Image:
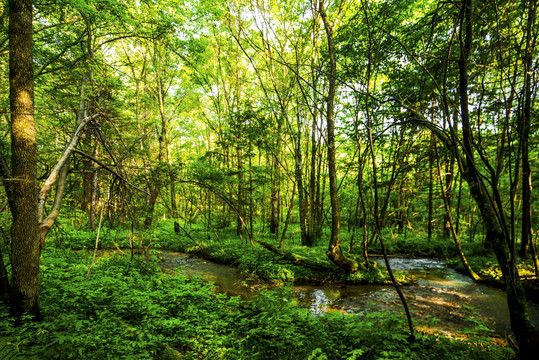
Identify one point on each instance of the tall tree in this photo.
(26, 247)
(497, 234)
(525, 124)
(334, 251)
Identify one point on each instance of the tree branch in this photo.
(70, 147)
(109, 169)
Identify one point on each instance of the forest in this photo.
(355, 177)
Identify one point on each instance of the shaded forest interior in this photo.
(294, 139)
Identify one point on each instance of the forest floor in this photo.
(125, 305)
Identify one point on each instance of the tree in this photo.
(482, 175)
(26, 246)
(491, 212)
(525, 124)
(334, 251)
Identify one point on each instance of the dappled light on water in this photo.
(442, 299)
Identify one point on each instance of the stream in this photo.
(449, 299)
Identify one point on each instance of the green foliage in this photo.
(130, 309)
(416, 243)
(487, 267)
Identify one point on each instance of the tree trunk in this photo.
(164, 145)
(84, 110)
(450, 167)
(334, 251)
(449, 220)
(25, 248)
(151, 199)
(312, 183)
(430, 218)
(525, 334)
(288, 216)
(240, 214)
(4, 279)
(305, 241)
(275, 184)
(251, 196)
(525, 134)
(93, 191)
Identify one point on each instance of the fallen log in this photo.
(296, 259)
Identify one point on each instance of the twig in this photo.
(96, 242)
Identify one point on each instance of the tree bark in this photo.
(25, 248)
(498, 237)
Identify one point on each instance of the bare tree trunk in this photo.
(4, 279)
(240, 214)
(460, 253)
(334, 251)
(312, 183)
(319, 200)
(26, 245)
(288, 216)
(151, 199)
(275, 190)
(496, 235)
(94, 190)
(84, 111)
(459, 200)
(525, 134)
(430, 205)
(299, 182)
(450, 167)
(251, 194)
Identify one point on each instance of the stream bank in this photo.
(442, 300)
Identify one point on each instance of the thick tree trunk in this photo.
(498, 238)
(25, 248)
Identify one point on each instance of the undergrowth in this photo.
(130, 309)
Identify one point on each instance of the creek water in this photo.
(452, 301)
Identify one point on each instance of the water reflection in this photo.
(440, 292)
